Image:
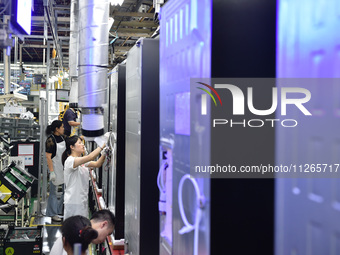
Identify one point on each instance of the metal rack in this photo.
(21, 213)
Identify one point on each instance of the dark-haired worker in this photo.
(102, 221)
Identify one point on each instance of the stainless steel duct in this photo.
(93, 62)
(73, 53)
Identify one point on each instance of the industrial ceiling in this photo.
(132, 20)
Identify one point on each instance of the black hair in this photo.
(77, 229)
(69, 141)
(51, 128)
(104, 215)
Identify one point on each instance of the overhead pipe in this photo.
(73, 53)
(93, 63)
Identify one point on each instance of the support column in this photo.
(7, 67)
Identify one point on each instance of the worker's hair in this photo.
(51, 128)
(69, 141)
(104, 215)
(77, 229)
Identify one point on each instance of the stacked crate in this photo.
(7, 126)
(23, 128)
(36, 132)
(19, 128)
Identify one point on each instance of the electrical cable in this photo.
(160, 181)
(189, 227)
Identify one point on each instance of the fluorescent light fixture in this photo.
(116, 2)
(21, 16)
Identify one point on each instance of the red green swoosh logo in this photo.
(212, 89)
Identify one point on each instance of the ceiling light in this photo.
(116, 2)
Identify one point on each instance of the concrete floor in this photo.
(51, 231)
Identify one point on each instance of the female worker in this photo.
(76, 174)
(77, 229)
(55, 146)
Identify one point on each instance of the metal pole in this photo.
(16, 56)
(7, 64)
(16, 213)
(22, 76)
(7, 67)
(44, 183)
(44, 188)
(23, 210)
(16, 51)
(20, 57)
(43, 119)
(41, 122)
(42, 145)
(48, 65)
(44, 52)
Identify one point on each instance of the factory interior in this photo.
(169, 127)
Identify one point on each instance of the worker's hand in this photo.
(52, 176)
(105, 151)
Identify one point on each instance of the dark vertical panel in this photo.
(141, 230)
(120, 164)
(149, 215)
(244, 38)
(243, 45)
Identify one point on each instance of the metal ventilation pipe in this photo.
(93, 62)
(73, 53)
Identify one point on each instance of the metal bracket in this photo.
(5, 39)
